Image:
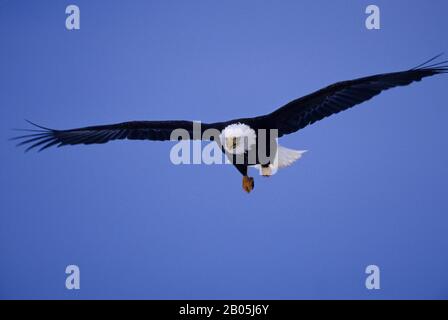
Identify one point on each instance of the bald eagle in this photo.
(239, 137)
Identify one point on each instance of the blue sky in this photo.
(371, 189)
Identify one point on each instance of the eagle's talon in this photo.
(248, 184)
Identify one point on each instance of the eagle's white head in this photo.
(238, 138)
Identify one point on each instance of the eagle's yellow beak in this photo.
(231, 143)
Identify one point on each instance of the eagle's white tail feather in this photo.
(287, 157)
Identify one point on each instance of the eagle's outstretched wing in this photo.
(44, 138)
(340, 96)
(288, 119)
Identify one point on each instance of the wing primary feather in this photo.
(31, 140)
(39, 143)
(28, 130)
(48, 145)
(434, 65)
(429, 61)
(38, 126)
(28, 136)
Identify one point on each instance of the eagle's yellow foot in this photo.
(248, 184)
